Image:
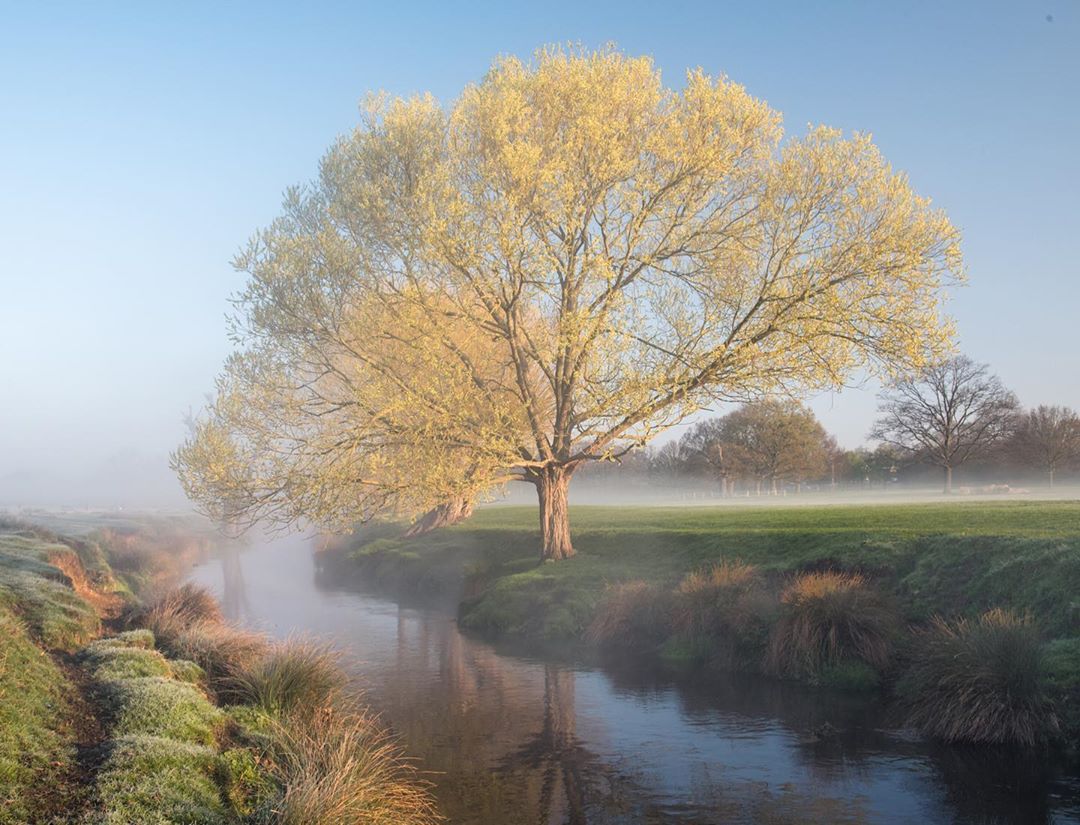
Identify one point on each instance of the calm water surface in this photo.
(509, 739)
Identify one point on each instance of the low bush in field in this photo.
(827, 618)
(295, 676)
(158, 706)
(979, 681)
(153, 780)
(338, 765)
(726, 611)
(631, 615)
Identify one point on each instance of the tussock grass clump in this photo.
(979, 681)
(159, 706)
(725, 612)
(152, 780)
(177, 610)
(338, 765)
(632, 614)
(828, 618)
(221, 650)
(293, 677)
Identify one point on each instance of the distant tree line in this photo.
(954, 414)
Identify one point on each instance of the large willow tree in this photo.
(565, 261)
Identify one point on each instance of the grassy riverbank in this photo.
(941, 558)
(953, 560)
(124, 701)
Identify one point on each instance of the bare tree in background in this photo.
(947, 414)
(1049, 438)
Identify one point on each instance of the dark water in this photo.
(511, 739)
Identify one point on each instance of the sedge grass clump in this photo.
(724, 611)
(828, 618)
(294, 676)
(979, 681)
(220, 649)
(338, 765)
(631, 614)
(178, 610)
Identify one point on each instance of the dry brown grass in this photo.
(338, 765)
(726, 610)
(176, 611)
(724, 574)
(220, 649)
(153, 558)
(830, 617)
(979, 681)
(633, 614)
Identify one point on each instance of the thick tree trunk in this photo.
(948, 480)
(552, 486)
(451, 512)
(1051, 478)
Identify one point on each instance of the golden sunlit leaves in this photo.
(568, 259)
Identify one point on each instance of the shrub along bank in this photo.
(847, 596)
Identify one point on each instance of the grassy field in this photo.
(951, 558)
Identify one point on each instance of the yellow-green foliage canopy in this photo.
(564, 261)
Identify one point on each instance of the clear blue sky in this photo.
(141, 144)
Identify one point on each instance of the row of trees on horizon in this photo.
(954, 416)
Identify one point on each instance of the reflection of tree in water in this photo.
(554, 756)
(565, 783)
(234, 601)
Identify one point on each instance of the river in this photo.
(510, 739)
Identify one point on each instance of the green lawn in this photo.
(952, 557)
